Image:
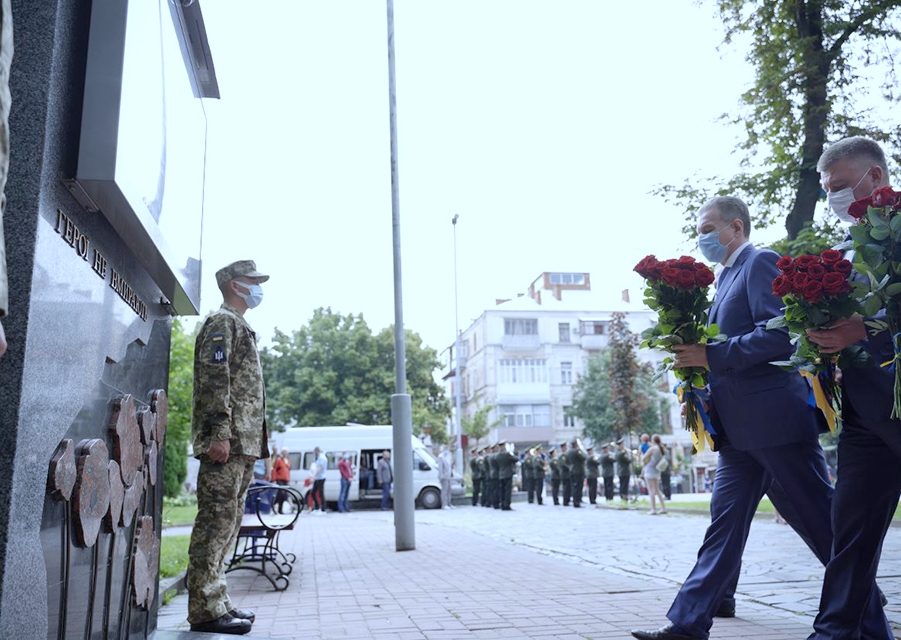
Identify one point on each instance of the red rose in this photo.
(647, 267)
(885, 197)
(816, 271)
(804, 262)
(786, 263)
(858, 209)
(830, 256)
(799, 281)
(813, 291)
(704, 277)
(685, 260)
(782, 286)
(670, 275)
(835, 283)
(686, 279)
(843, 267)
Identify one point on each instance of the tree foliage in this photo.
(478, 425)
(811, 60)
(180, 393)
(617, 395)
(334, 370)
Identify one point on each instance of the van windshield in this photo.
(427, 457)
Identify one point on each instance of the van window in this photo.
(419, 459)
(294, 460)
(331, 458)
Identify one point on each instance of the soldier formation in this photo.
(567, 467)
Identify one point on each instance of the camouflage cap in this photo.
(238, 269)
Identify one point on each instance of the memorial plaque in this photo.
(145, 563)
(116, 497)
(63, 471)
(91, 497)
(126, 437)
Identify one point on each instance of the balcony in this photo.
(525, 435)
(593, 342)
(522, 343)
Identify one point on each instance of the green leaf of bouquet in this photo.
(712, 331)
(860, 235)
(777, 323)
(876, 326)
(895, 224)
(880, 234)
(871, 305)
(877, 218)
(893, 289)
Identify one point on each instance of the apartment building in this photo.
(523, 356)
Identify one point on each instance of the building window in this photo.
(567, 278)
(564, 331)
(568, 420)
(474, 344)
(525, 415)
(566, 373)
(591, 328)
(522, 371)
(521, 327)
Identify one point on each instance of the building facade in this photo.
(523, 357)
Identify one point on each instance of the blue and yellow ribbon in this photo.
(820, 399)
(697, 420)
(896, 344)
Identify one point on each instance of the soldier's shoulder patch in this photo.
(218, 356)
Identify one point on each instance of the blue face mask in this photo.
(254, 296)
(710, 245)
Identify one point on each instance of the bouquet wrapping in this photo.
(677, 290)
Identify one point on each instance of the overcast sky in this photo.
(543, 125)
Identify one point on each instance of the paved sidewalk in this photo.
(480, 573)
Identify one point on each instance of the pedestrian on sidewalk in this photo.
(385, 477)
(652, 459)
(317, 473)
(347, 475)
(281, 475)
(444, 475)
(228, 425)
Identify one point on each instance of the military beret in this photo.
(247, 268)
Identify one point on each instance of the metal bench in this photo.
(256, 547)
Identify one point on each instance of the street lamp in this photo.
(458, 387)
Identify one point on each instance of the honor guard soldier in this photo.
(623, 468)
(592, 473)
(538, 475)
(565, 475)
(607, 471)
(493, 486)
(483, 467)
(528, 475)
(576, 458)
(506, 467)
(554, 467)
(476, 470)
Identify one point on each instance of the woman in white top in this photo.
(651, 458)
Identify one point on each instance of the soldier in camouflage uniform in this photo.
(506, 467)
(494, 494)
(528, 476)
(623, 460)
(576, 459)
(555, 475)
(229, 430)
(566, 478)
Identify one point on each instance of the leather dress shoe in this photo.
(668, 632)
(243, 615)
(725, 610)
(227, 624)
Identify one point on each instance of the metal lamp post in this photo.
(458, 386)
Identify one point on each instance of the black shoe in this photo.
(664, 633)
(227, 624)
(243, 615)
(725, 610)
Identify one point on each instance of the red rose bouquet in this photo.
(876, 240)
(816, 292)
(677, 291)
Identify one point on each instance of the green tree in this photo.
(478, 425)
(333, 370)
(811, 60)
(180, 393)
(626, 399)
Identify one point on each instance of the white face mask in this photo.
(840, 201)
(254, 296)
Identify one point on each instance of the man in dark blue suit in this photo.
(869, 447)
(765, 428)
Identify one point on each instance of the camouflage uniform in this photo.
(607, 473)
(228, 405)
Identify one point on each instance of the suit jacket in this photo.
(757, 404)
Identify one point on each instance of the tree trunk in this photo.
(815, 69)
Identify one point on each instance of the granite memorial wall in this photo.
(102, 226)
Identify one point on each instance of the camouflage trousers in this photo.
(221, 489)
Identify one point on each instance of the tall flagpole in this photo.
(401, 408)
